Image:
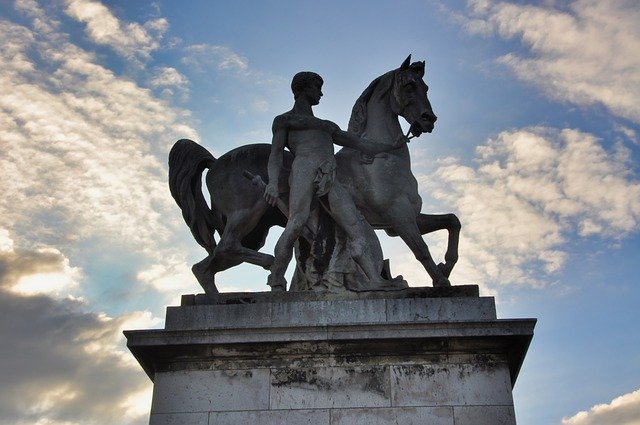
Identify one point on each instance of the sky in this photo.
(536, 149)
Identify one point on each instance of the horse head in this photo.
(409, 97)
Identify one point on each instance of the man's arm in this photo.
(369, 147)
(307, 122)
(271, 192)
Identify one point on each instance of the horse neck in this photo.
(382, 123)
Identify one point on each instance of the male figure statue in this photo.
(313, 174)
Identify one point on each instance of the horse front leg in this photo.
(428, 223)
(407, 228)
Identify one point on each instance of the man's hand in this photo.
(271, 194)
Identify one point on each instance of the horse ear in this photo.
(406, 63)
(418, 68)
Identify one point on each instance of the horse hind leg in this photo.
(205, 276)
(230, 252)
(428, 223)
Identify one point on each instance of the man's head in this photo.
(306, 80)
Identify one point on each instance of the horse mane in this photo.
(358, 119)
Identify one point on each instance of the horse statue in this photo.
(382, 186)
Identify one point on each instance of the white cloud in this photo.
(6, 243)
(585, 54)
(83, 155)
(171, 81)
(172, 275)
(624, 410)
(55, 283)
(41, 22)
(629, 133)
(531, 188)
(129, 39)
(205, 56)
(83, 151)
(137, 404)
(167, 76)
(45, 270)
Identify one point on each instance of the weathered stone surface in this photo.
(271, 417)
(484, 415)
(440, 309)
(179, 419)
(330, 387)
(416, 342)
(451, 384)
(231, 316)
(388, 416)
(329, 312)
(389, 365)
(318, 312)
(204, 391)
(227, 298)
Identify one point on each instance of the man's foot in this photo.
(277, 284)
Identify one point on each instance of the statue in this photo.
(313, 175)
(376, 179)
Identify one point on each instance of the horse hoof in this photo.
(277, 285)
(441, 283)
(205, 277)
(268, 262)
(445, 269)
(399, 282)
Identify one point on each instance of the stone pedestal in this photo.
(433, 356)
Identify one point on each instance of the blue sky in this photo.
(536, 149)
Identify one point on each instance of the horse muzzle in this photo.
(424, 125)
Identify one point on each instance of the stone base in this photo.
(419, 356)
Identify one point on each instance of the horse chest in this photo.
(387, 178)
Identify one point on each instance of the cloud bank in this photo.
(83, 149)
(586, 53)
(83, 159)
(131, 40)
(62, 364)
(530, 190)
(623, 410)
(42, 271)
(204, 57)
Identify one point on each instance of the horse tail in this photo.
(187, 162)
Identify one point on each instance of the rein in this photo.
(407, 135)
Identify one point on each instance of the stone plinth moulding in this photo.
(421, 355)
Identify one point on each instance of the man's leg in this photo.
(300, 197)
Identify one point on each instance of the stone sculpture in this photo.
(313, 177)
(373, 180)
